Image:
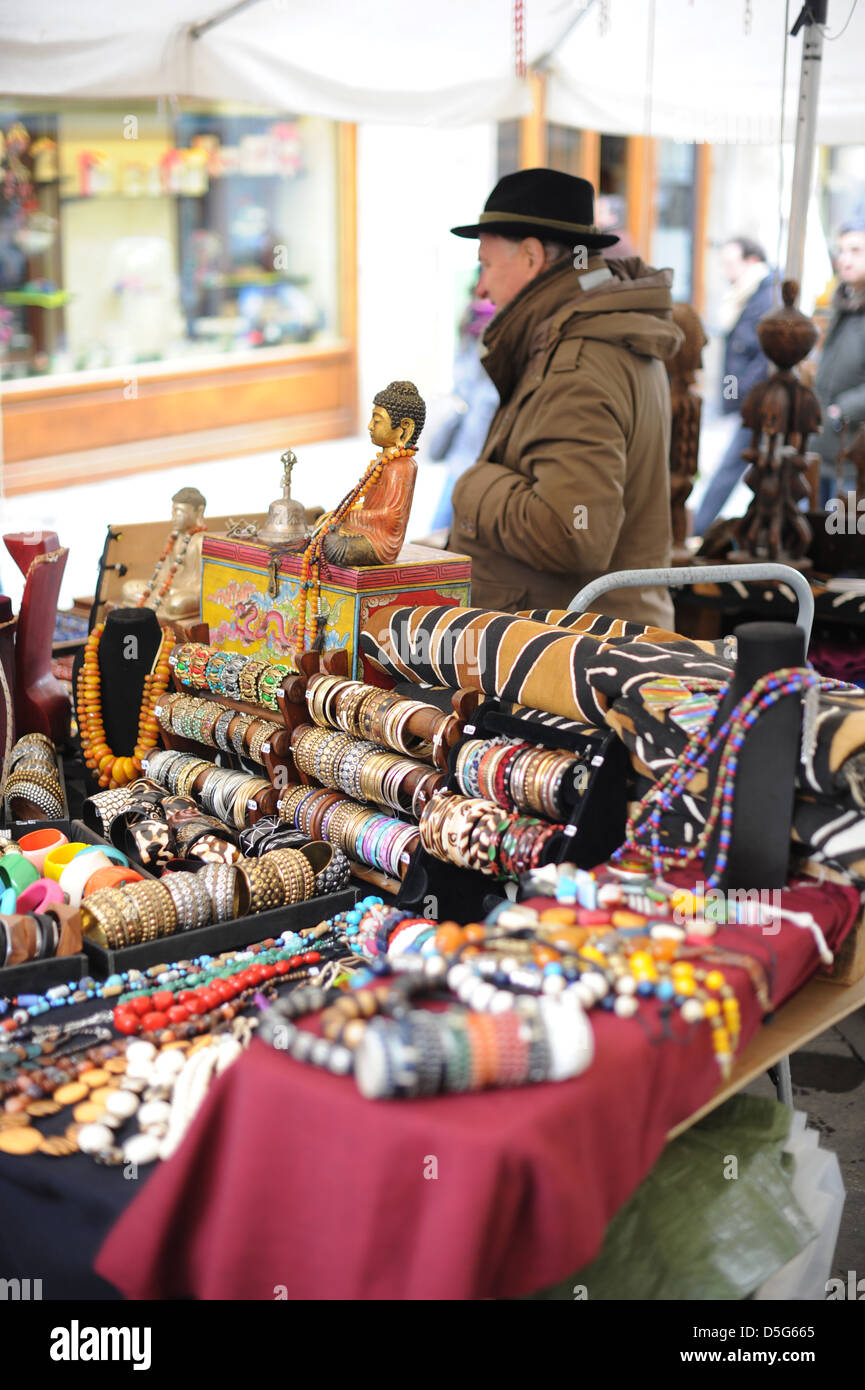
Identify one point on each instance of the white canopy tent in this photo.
(684, 69)
(688, 70)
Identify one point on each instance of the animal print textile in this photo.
(656, 689)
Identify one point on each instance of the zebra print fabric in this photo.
(656, 693)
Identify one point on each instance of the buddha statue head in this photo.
(187, 508)
(398, 416)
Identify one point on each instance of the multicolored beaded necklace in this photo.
(661, 798)
(310, 573)
(291, 947)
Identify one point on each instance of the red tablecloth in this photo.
(291, 1185)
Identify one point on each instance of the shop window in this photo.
(614, 165)
(673, 222)
(564, 146)
(507, 148)
(149, 233)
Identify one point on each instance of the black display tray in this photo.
(447, 893)
(219, 936)
(73, 829)
(35, 976)
(597, 810)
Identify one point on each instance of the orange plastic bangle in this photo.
(111, 878)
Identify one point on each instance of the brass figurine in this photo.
(174, 588)
(369, 525)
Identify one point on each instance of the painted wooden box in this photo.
(249, 596)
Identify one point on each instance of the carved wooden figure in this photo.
(781, 413)
(686, 411)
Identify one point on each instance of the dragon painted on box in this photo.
(255, 621)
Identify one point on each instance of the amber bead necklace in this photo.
(111, 770)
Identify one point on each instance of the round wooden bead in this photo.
(141, 1148)
(139, 1053)
(155, 1112)
(122, 1103)
(92, 1138)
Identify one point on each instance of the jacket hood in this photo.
(633, 309)
(626, 303)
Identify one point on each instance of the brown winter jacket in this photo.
(573, 480)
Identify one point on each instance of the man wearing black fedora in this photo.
(573, 480)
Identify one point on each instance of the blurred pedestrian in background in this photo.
(460, 438)
(748, 298)
(840, 380)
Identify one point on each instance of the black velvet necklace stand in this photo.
(759, 851)
(127, 651)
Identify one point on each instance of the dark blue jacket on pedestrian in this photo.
(841, 375)
(744, 359)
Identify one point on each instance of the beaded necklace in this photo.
(173, 568)
(645, 822)
(611, 968)
(114, 771)
(40, 1074)
(310, 571)
(132, 985)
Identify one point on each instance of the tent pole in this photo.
(196, 30)
(813, 19)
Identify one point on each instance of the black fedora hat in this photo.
(545, 204)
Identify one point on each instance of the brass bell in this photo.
(286, 520)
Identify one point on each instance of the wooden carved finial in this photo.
(786, 335)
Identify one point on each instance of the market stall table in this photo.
(290, 1184)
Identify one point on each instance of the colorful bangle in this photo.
(213, 672)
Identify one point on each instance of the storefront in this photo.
(656, 192)
(175, 279)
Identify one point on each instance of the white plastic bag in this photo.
(819, 1189)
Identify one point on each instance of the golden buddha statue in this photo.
(369, 525)
(174, 588)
